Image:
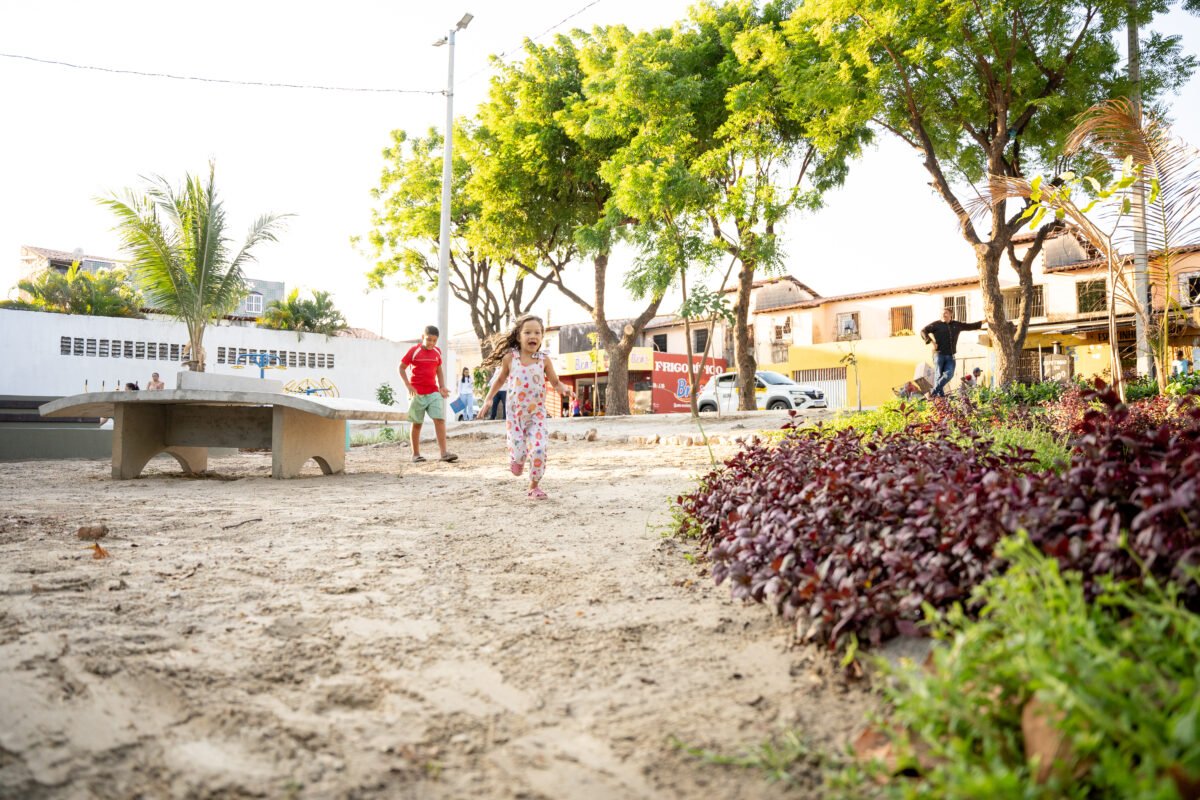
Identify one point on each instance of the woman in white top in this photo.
(466, 392)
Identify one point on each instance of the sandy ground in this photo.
(412, 631)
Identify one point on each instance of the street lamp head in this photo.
(440, 42)
(465, 21)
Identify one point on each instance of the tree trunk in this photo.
(743, 342)
(195, 362)
(616, 395)
(1000, 329)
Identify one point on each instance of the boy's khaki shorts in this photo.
(426, 404)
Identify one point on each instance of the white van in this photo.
(772, 391)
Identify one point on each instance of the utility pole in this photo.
(443, 294)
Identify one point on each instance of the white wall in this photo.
(33, 363)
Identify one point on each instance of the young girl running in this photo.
(524, 372)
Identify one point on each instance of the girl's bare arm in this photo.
(554, 381)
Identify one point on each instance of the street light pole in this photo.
(443, 295)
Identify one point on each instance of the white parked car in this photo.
(772, 390)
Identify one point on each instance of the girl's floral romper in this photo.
(526, 414)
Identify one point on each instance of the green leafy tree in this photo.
(717, 156)
(104, 293)
(545, 203)
(976, 89)
(181, 255)
(316, 315)
(1139, 158)
(407, 227)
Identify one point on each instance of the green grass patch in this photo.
(398, 434)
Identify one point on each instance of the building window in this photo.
(957, 303)
(847, 326)
(902, 321)
(700, 340)
(783, 333)
(254, 303)
(103, 352)
(1091, 296)
(659, 342)
(1191, 289)
(1012, 303)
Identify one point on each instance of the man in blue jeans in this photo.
(945, 340)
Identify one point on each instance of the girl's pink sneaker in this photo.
(516, 468)
(536, 493)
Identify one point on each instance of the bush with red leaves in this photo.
(853, 534)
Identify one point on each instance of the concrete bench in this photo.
(186, 422)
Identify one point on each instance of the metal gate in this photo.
(831, 381)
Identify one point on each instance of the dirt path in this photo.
(419, 631)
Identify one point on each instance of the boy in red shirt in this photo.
(427, 391)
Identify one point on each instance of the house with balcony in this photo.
(825, 340)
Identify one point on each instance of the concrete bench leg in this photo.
(297, 436)
(139, 434)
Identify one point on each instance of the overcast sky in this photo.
(70, 135)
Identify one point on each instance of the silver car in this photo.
(772, 391)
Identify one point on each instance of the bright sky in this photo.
(71, 135)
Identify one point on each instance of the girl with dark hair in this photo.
(524, 372)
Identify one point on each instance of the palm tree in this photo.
(181, 255)
(104, 293)
(318, 315)
(1141, 148)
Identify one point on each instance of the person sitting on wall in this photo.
(155, 382)
(944, 334)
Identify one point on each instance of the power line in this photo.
(264, 84)
(556, 25)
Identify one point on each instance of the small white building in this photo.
(53, 355)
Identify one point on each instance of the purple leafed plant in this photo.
(851, 533)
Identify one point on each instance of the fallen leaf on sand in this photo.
(876, 744)
(98, 551)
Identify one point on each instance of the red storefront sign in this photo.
(671, 390)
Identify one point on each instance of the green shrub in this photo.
(1184, 384)
(891, 417)
(1049, 451)
(1140, 389)
(385, 394)
(1119, 678)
